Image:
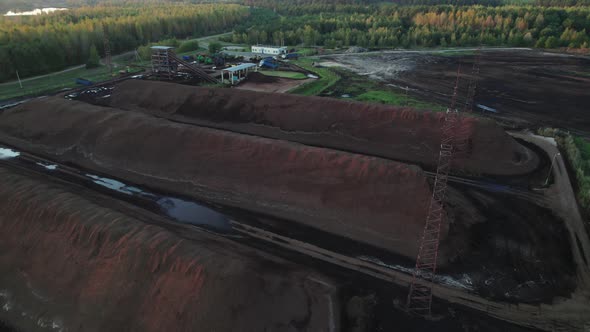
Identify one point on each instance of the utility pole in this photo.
(107, 47)
(19, 82)
(407, 88)
(551, 167)
(137, 57)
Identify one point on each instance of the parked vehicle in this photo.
(291, 56)
(83, 81)
(268, 63)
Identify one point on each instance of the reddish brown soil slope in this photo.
(367, 199)
(395, 133)
(69, 263)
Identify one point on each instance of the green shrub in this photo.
(214, 47)
(93, 58)
(188, 46)
(577, 152)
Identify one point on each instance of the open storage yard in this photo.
(311, 207)
(294, 166)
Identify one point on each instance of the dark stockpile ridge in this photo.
(367, 199)
(74, 264)
(395, 133)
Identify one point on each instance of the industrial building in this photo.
(237, 73)
(274, 50)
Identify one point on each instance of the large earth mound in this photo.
(396, 133)
(71, 262)
(367, 199)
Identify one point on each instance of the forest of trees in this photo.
(25, 5)
(40, 44)
(277, 5)
(387, 25)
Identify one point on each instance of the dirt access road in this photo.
(520, 87)
(564, 202)
(263, 83)
(203, 42)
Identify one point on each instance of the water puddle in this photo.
(191, 213)
(51, 167)
(183, 211)
(114, 185)
(180, 210)
(486, 108)
(8, 153)
(462, 282)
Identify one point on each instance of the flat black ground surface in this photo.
(524, 88)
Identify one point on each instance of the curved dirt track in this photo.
(73, 264)
(367, 199)
(396, 133)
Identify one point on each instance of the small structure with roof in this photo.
(272, 50)
(163, 61)
(237, 73)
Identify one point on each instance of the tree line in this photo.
(278, 4)
(40, 44)
(26, 5)
(390, 25)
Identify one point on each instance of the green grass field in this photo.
(335, 82)
(52, 83)
(361, 88)
(391, 97)
(326, 80)
(285, 74)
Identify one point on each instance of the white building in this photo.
(274, 50)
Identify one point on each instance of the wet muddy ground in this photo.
(498, 221)
(524, 246)
(517, 250)
(521, 88)
(367, 304)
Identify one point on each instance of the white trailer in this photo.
(272, 50)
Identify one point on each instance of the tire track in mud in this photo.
(490, 186)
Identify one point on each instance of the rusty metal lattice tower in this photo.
(420, 294)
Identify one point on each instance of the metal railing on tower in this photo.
(420, 295)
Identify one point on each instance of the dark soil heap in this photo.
(367, 199)
(70, 262)
(395, 133)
